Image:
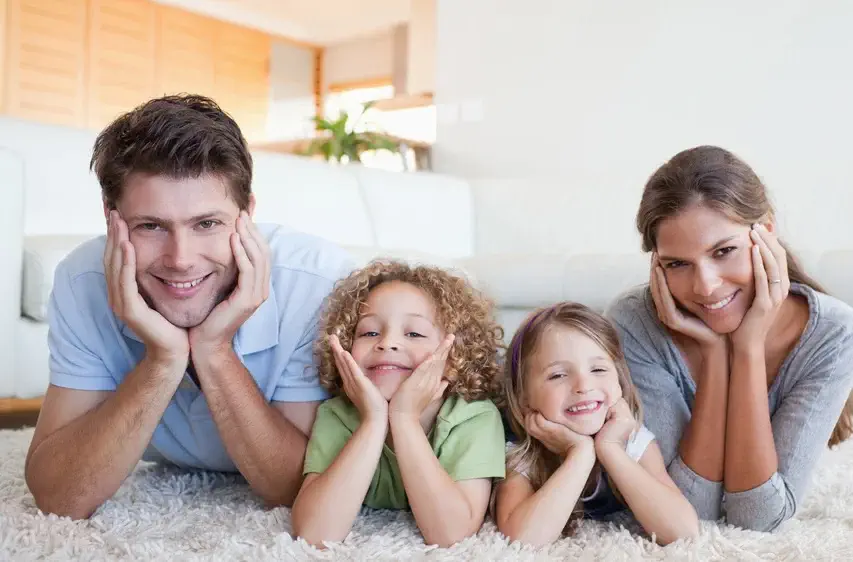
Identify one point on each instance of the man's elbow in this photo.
(272, 502)
(273, 498)
(49, 499)
(63, 506)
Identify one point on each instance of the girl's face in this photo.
(571, 380)
(396, 331)
(708, 265)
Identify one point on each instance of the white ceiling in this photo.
(322, 22)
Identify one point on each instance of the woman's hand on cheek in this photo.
(674, 318)
(618, 425)
(425, 384)
(770, 274)
(556, 437)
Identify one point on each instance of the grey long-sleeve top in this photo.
(806, 399)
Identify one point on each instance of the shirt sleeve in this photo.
(299, 381)
(802, 425)
(329, 435)
(475, 448)
(73, 361)
(666, 414)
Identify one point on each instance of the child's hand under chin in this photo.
(556, 437)
(424, 385)
(359, 389)
(618, 425)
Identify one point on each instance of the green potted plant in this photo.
(340, 142)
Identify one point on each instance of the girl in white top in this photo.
(582, 450)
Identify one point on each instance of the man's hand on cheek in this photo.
(251, 255)
(163, 341)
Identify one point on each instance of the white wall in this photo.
(363, 58)
(291, 104)
(559, 111)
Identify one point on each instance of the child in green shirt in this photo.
(411, 353)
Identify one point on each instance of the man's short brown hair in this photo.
(180, 137)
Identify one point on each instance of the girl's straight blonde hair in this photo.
(529, 456)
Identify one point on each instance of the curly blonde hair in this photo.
(472, 366)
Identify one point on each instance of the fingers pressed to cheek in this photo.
(249, 242)
(767, 256)
(244, 265)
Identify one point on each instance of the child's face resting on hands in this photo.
(571, 380)
(397, 330)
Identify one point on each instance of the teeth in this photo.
(720, 304)
(184, 285)
(387, 368)
(584, 407)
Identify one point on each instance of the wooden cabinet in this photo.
(241, 77)
(46, 60)
(185, 52)
(83, 62)
(121, 59)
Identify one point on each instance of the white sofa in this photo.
(51, 203)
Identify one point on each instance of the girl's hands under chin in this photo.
(618, 425)
(556, 437)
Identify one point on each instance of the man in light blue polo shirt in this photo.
(185, 334)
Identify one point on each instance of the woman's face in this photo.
(708, 265)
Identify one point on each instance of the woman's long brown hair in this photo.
(716, 178)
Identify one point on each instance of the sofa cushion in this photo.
(312, 197)
(41, 256)
(424, 210)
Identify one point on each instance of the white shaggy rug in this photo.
(162, 513)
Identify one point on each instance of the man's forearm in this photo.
(78, 467)
(703, 444)
(267, 449)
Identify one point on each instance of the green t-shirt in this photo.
(467, 438)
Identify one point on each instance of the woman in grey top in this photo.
(742, 362)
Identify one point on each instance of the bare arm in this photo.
(445, 511)
(703, 444)
(87, 442)
(267, 442)
(539, 517)
(750, 451)
(654, 499)
(329, 502)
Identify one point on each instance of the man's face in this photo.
(180, 231)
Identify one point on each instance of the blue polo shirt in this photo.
(90, 349)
